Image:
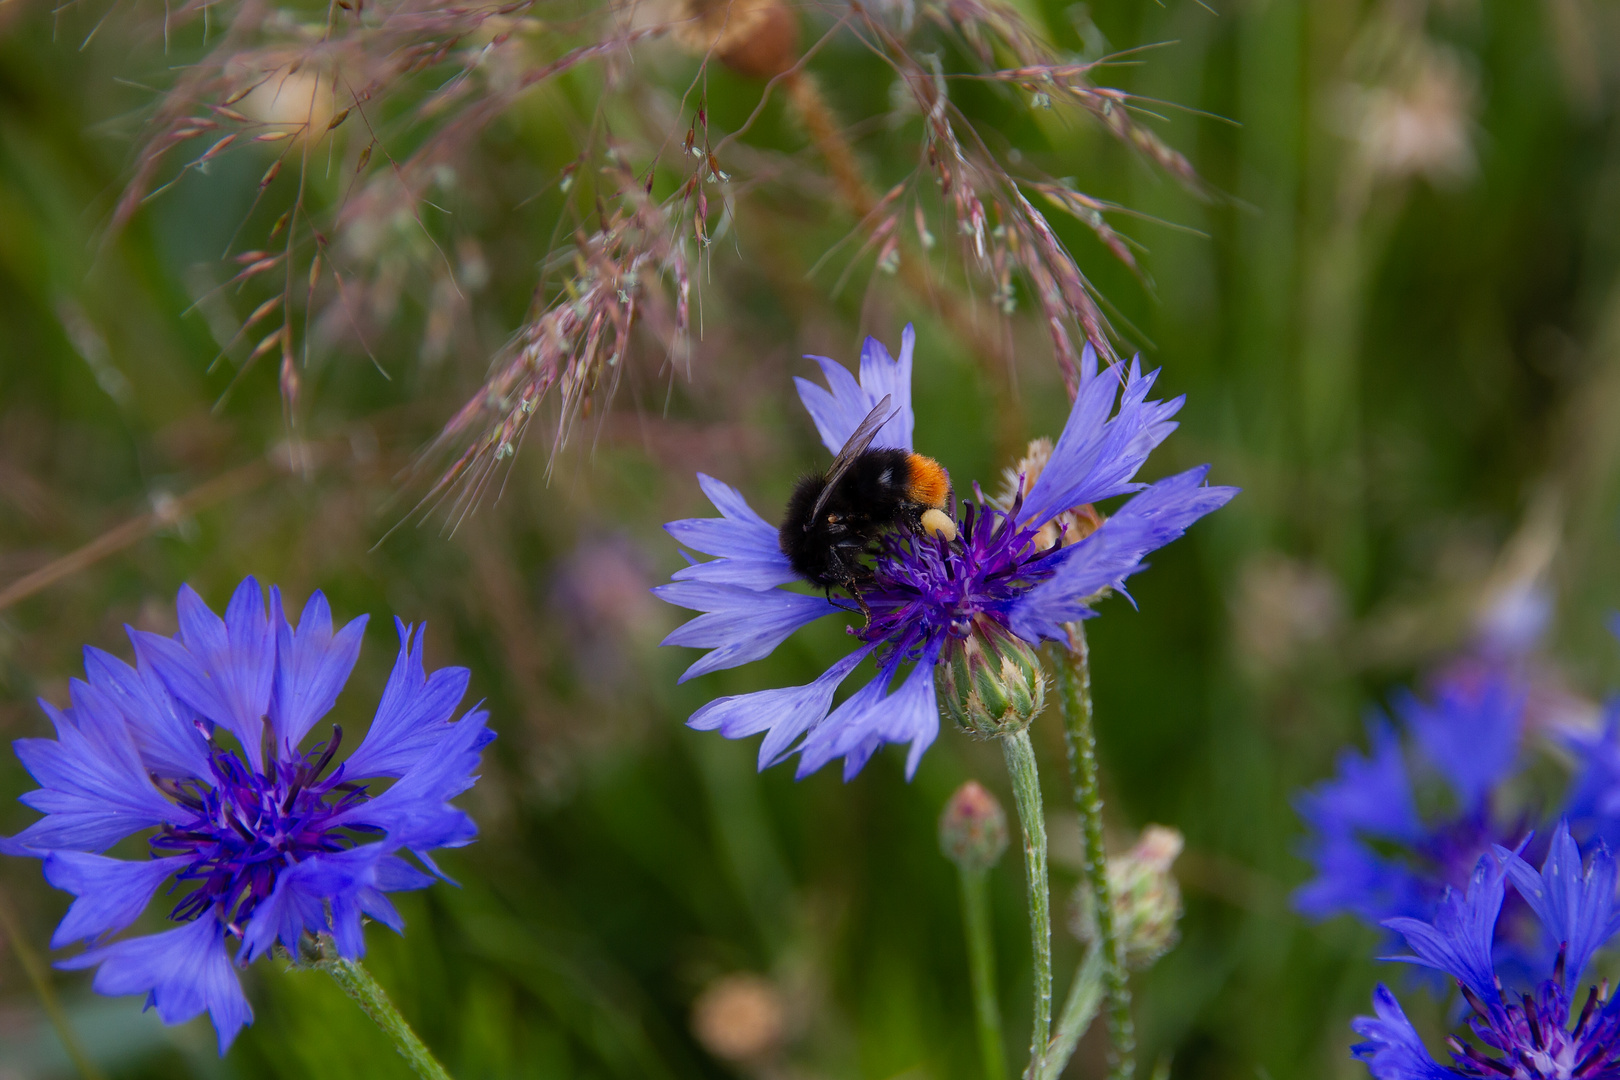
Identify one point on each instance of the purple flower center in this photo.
(1534, 1038)
(247, 827)
(928, 590)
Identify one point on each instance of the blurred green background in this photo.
(1397, 325)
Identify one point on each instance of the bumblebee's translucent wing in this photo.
(854, 447)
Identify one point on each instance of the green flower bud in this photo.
(992, 683)
(973, 828)
(1147, 900)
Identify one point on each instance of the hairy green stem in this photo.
(1074, 684)
(39, 977)
(1026, 783)
(982, 969)
(1085, 996)
(374, 1002)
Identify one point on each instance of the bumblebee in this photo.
(833, 517)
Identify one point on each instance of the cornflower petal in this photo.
(222, 668)
(883, 376)
(856, 715)
(756, 574)
(1471, 732)
(1394, 1050)
(1595, 794)
(416, 811)
(873, 717)
(295, 905)
(783, 714)
(747, 546)
(181, 675)
(93, 789)
(96, 718)
(110, 893)
(838, 410)
(236, 657)
(165, 731)
(1459, 940)
(739, 624)
(1370, 794)
(1350, 876)
(312, 664)
(348, 884)
(1097, 455)
(1576, 908)
(1104, 559)
(414, 713)
(370, 878)
(183, 972)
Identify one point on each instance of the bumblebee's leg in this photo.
(827, 592)
(855, 592)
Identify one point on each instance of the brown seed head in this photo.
(756, 38)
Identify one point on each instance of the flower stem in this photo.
(1026, 783)
(1084, 998)
(1074, 684)
(982, 968)
(375, 1003)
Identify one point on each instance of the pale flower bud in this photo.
(1147, 900)
(740, 1018)
(973, 828)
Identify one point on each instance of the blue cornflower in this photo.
(927, 595)
(1594, 795)
(1593, 804)
(259, 839)
(1375, 855)
(1524, 1035)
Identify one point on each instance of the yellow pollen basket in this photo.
(938, 523)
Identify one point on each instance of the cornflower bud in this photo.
(1147, 900)
(991, 683)
(973, 828)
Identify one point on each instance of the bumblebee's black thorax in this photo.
(868, 498)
